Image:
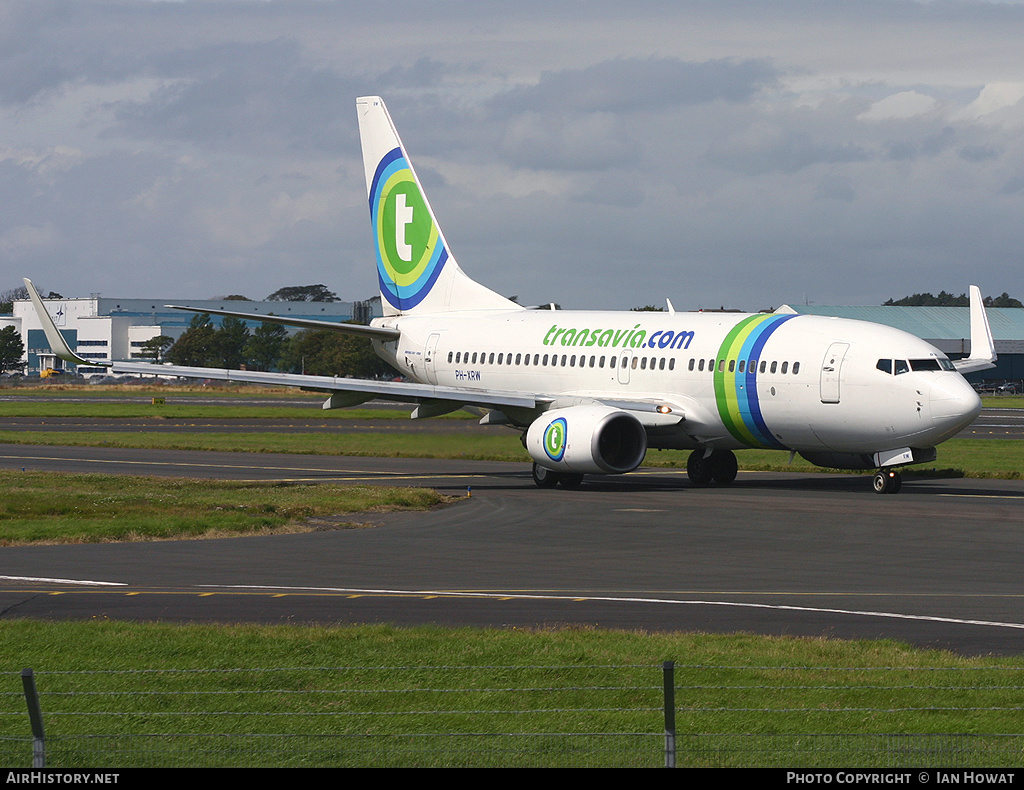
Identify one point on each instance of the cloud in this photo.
(624, 85)
(902, 105)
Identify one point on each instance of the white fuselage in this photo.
(798, 382)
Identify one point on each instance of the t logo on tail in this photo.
(403, 218)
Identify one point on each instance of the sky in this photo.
(597, 154)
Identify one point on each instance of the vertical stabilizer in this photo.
(415, 269)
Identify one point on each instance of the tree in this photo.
(229, 343)
(7, 298)
(155, 347)
(1003, 300)
(11, 348)
(303, 293)
(266, 346)
(321, 352)
(949, 300)
(196, 344)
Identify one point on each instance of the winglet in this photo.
(983, 348)
(58, 344)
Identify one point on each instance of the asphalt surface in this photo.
(936, 565)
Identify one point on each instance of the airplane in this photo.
(592, 391)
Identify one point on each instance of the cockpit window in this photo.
(884, 365)
(931, 364)
(901, 366)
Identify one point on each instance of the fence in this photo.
(572, 716)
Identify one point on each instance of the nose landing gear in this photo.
(887, 481)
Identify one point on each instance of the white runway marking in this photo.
(675, 601)
(61, 581)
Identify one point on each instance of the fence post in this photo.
(669, 682)
(35, 717)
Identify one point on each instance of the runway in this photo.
(812, 554)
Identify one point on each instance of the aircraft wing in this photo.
(378, 332)
(53, 336)
(403, 391)
(983, 348)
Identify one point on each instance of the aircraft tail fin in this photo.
(415, 269)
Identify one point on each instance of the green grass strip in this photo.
(986, 458)
(40, 507)
(127, 679)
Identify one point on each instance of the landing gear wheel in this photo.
(887, 482)
(544, 477)
(723, 466)
(569, 480)
(698, 468)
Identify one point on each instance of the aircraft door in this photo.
(831, 372)
(624, 361)
(429, 355)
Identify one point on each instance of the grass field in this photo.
(957, 457)
(59, 508)
(380, 683)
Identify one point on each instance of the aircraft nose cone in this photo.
(954, 402)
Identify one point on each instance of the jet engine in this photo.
(591, 439)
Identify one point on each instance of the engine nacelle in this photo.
(587, 439)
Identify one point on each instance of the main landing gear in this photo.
(887, 481)
(720, 466)
(545, 478)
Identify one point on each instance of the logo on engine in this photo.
(554, 439)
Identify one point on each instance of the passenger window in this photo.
(785, 365)
(774, 366)
(661, 364)
(763, 365)
(743, 365)
(796, 368)
(672, 363)
(732, 365)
